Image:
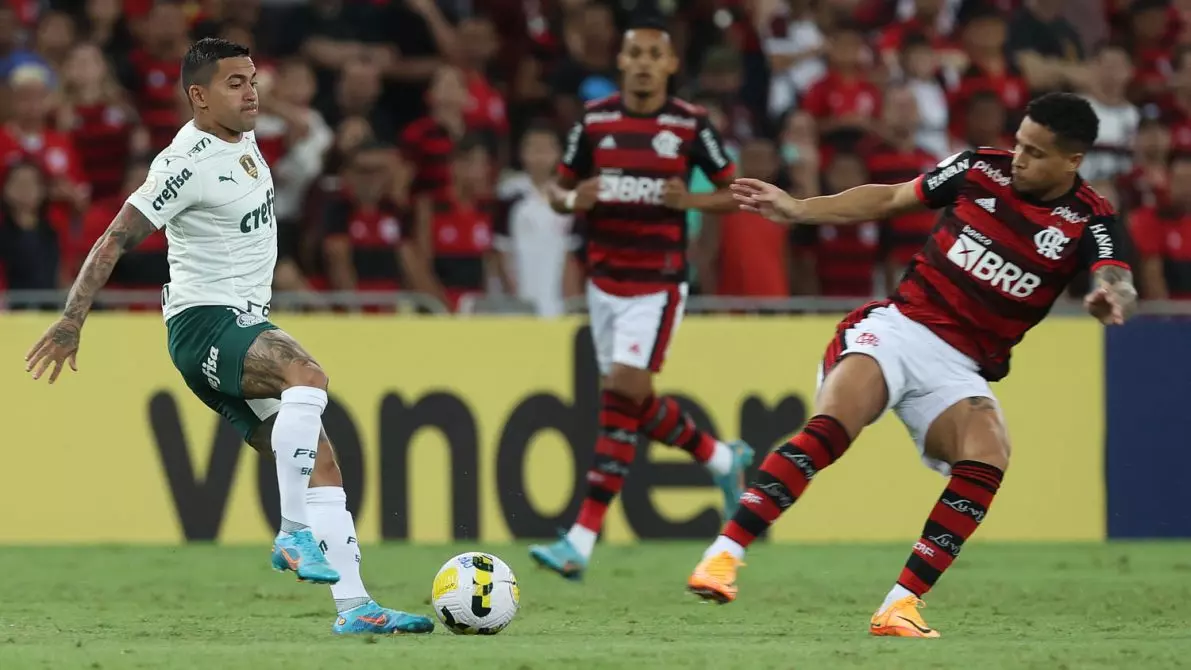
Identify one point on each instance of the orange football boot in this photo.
(715, 578)
(901, 619)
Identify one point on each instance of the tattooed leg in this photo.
(277, 366)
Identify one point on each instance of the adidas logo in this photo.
(607, 143)
(989, 204)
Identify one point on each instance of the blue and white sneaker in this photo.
(299, 552)
(372, 619)
(561, 557)
(732, 484)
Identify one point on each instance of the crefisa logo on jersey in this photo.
(172, 186)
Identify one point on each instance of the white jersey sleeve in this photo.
(171, 188)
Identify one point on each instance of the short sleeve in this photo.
(1103, 243)
(940, 187)
(576, 156)
(171, 187)
(709, 154)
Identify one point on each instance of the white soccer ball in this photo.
(475, 594)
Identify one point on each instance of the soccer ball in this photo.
(475, 594)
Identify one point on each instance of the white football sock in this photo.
(295, 443)
(722, 544)
(336, 532)
(583, 540)
(895, 594)
(721, 459)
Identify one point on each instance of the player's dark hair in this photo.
(202, 59)
(1070, 117)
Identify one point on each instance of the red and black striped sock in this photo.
(784, 475)
(960, 510)
(620, 421)
(665, 422)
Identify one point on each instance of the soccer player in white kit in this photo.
(212, 192)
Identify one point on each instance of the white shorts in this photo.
(924, 375)
(635, 331)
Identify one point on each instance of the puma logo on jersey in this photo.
(262, 215)
(991, 268)
(172, 186)
(229, 177)
(631, 190)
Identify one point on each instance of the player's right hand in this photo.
(765, 199)
(59, 344)
(586, 194)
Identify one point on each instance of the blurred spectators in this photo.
(411, 140)
(1163, 238)
(535, 244)
(29, 244)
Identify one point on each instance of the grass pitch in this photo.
(1000, 606)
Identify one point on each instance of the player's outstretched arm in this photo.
(870, 202)
(61, 342)
(1114, 298)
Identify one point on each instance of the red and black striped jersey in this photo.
(636, 244)
(998, 260)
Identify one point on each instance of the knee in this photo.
(632, 383)
(989, 444)
(306, 373)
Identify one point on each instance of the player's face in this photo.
(1039, 165)
(647, 60)
(231, 96)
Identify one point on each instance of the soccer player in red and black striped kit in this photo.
(1016, 228)
(626, 165)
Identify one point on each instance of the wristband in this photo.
(569, 202)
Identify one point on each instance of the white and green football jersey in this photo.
(215, 201)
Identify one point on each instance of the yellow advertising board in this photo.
(482, 428)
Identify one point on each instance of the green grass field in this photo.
(1001, 606)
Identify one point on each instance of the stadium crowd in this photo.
(411, 140)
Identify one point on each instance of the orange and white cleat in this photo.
(715, 578)
(901, 619)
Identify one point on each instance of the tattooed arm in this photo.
(1113, 298)
(61, 342)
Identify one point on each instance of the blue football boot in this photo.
(372, 619)
(299, 552)
(732, 484)
(561, 557)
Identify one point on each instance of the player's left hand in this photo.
(675, 194)
(1106, 305)
(59, 344)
